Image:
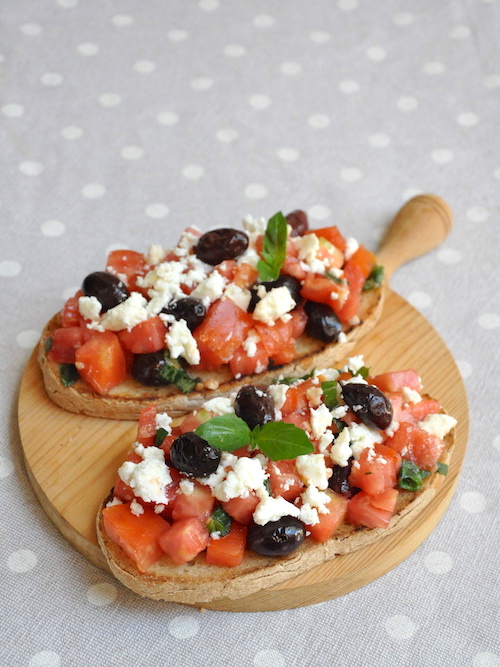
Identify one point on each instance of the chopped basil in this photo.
(219, 522)
(292, 380)
(329, 389)
(267, 486)
(48, 344)
(364, 371)
(173, 373)
(442, 468)
(374, 279)
(333, 277)
(273, 248)
(411, 476)
(69, 374)
(339, 424)
(160, 436)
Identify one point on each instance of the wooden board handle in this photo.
(421, 225)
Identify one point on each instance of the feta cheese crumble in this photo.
(410, 395)
(313, 470)
(148, 478)
(321, 419)
(186, 487)
(246, 475)
(362, 437)
(341, 451)
(439, 425)
(275, 303)
(221, 405)
(164, 420)
(181, 343)
(127, 314)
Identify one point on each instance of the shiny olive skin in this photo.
(254, 405)
(193, 455)
(219, 244)
(107, 289)
(146, 368)
(276, 538)
(339, 481)
(298, 222)
(189, 309)
(322, 323)
(368, 403)
(291, 283)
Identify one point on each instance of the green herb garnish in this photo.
(225, 432)
(273, 248)
(160, 436)
(69, 374)
(292, 380)
(411, 476)
(267, 486)
(331, 276)
(330, 393)
(48, 344)
(364, 371)
(219, 522)
(173, 373)
(442, 468)
(374, 279)
(339, 424)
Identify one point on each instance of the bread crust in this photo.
(198, 582)
(127, 399)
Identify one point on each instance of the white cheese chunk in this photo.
(325, 441)
(210, 289)
(342, 338)
(254, 225)
(127, 314)
(410, 395)
(163, 284)
(238, 295)
(188, 239)
(156, 254)
(181, 343)
(307, 247)
(221, 405)
(136, 508)
(278, 392)
(246, 475)
(113, 502)
(351, 246)
(149, 477)
(186, 487)
(439, 425)
(313, 470)
(275, 303)
(392, 428)
(89, 307)
(341, 450)
(164, 420)
(354, 364)
(309, 515)
(327, 373)
(272, 509)
(321, 419)
(340, 411)
(315, 498)
(362, 437)
(250, 343)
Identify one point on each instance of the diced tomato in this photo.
(70, 314)
(355, 279)
(167, 443)
(365, 260)
(427, 406)
(228, 551)
(171, 492)
(145, 337)
(146, 430)
(372, 511)
(222, 331)
(138, 536)
(320, 289)
(275, 338)
(331, 234)
(227, 269)
(292, 266)
(328, 523)
(296, 398)
(65, 342)
(242, 509)
(128, 265)
(298, 321)
(376, 472)
(193, 420)
(332, 257)
(400, 413)
(284, 479)
(101, 362)
(396, 380)
(350, 418)
(122, 490)
(417, 446)
(185, 540)
(199, 503)
(245, 275)
(300, 419)
(241, 364)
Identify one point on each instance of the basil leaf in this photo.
(330, 393)
(410, 476)
(273, 248)
(292, 380)
(226, 432)
(364, 371)
(442, 468)
(173, 373)
(160, 436)
(69, 374)
(279, 440)
(219, 522)
(374, 279)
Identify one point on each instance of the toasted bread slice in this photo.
(127, 399)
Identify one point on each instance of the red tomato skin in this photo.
(362, 512)
(65, 342)
(241, 364)
(296, 399)
(70, 314)
(146, 429)
(395, 381)
(349, 309)
(145, 337)
(185, 540)
(245, 275)
(376, 474)
(228, 551)
(284, 479)
(417, 446)
(200, 504)
(298, 321)
(242, 509)
(365, 260)
(322, 290)
(292, 266)
(331, 234)
(128, 265)
(328, 523)
(428, 406)
(101, 362)
(222, 331)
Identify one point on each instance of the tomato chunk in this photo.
(396, 380)
(417, 446)
(146, 430)
(199, 503)
(355, 279)
(365, 260)
(65, 342)
(228, 551)
(331, 234)
(185, 540)
(137, 535)
(376, 471)
(242, 509)
(127, 265)
(372, 511)
(145, 337)
(241, 364)
(222, 331)
(101, 362)
(284, 479)
(328, 523)
(70, 314)
(323, 290)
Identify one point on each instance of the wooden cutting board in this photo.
(72, 459)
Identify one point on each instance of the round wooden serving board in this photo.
(72, 462)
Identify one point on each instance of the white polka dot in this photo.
(496, 445)
(492, 81)
(177, 35)
(45, 659)
(193, 172)
(22, 561)
(433, 68)
(269, 658)
(109, 99)
(29, 168)
(234, 50)
(12, 110)
(319, 212)
(400, 627)
(290, 68)
(100, 595)
(403, 18)
(93, 191)
(351, 174)
(259, 101)
(472, 502)
(183, 627)
(478, 213)
(263, 21)
(420, 299)
(489, 321)
(122, 20)
(467, 119)
(27, 339)
(201, 83)
(256, 191)
(51, 79)
(167, 118)
(2, 57)
(53, 228)
(31, 29)
(486, 658)
(442, 155)
(157, 211)
(132, 152)
(438, 562)
(6, 467)
(496, 173)
(379, 140)
(376, 53)
(320, 36)
(349, 86)
(449, 255)
(409, 193)
(87, 49)
(465, 368)
(208, 5)
(460, 32)
(9, 268)
(144, 66)
(318, 121)
(71, 132)
(67, 4)
(407, 103)
(226, 135)
(69, 292)
(347, 5)
(288, 154)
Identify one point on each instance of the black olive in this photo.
(189, 309)
(368, 403)
(322, 323)
(254, 405)
(298, 221)
(276, 538)
(220, 244)
(107, 289)
(193, 455)
(339, 481)
(146, 368)
(291, 283)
